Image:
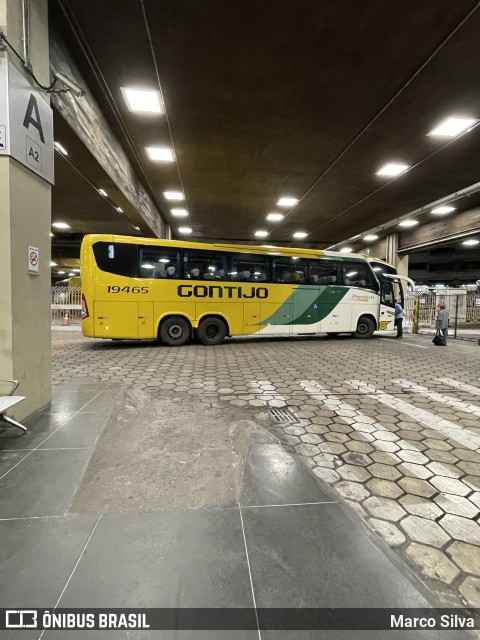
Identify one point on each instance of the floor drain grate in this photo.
(283, 416)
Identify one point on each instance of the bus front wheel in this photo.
(174, 331)
(211, 331)
(365, 328)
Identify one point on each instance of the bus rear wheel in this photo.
(211, 331)
(365, 328)
(174, 331)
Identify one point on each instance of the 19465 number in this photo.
(117, 289)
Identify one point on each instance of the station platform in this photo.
(265, 472)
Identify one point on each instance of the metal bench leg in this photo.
(14, 423)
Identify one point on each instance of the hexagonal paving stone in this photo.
(360, 447)
(420, 507)
(470, 590)
(415, 470)
(475, 498)
(409, 426)
(425, 531)
(444, 469)
(306, 449)
(294, 431)
(328, 475)
(387, 531)
(361, 459)
(461, 528)
(450, 485)
(433, 563)
(413, 456)
(353, 473)
(437, 444)
(384, 488)
(336, 437)
(385, 458)
(466, 556)
(383, 445)
(472, 481)
(466, 454)
(311, 438)
(457, 505)
(440, 456)
(417, 487)
(472, 468)
(384, 508)
(332, 447)
(386, 436)
(384, 471)
(352, 490)
(326, 460)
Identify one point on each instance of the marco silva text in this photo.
(446, 621)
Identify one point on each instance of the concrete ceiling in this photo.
(303, 98)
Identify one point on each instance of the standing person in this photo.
(399, 319)
(442, 321)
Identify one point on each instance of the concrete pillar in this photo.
(400, 262)
(25, 220)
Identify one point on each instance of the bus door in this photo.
(116, 319)
(386, 320)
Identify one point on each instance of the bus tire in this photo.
(212, 331)
(365, 328)
(333, 334)
(174, 331)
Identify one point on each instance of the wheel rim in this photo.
(175, 332)
(362, 327)
(211, 331)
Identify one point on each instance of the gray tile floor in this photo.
(279, 536)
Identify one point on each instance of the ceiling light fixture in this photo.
(180, 213)
(184, 230)
(392, 169)
(51, 235)
(102, 192)
(137, 228)
(346, 250)
(300, 234)
(470, 243)
(370, 237)
(452, 127)
(287, 201)
(60, 273)
(160, 154)
(76, 270)
(53, 264)
(142, 101)
(442, 210)
(60, 225)
(408, 223)
(59, 147)
(261, 234)
(119, 209)
(173, 195)
(275, 217)
(71, 274)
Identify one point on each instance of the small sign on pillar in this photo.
(33, 259)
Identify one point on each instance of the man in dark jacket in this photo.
(442, 322)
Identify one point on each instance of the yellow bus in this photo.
(142, 288)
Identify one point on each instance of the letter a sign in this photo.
(26, 123)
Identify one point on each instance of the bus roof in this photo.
(252, 248)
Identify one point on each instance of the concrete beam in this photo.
(441, 230)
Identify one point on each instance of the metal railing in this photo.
(66, 301)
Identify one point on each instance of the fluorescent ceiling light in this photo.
(408, 223)
(287, 202)
(147, 266)
(71, 274)
(392, 169)
(370, 237)
(53, 264)
(346, 250)
(60, 225)
(300, 234)
(119, 209)
(275, 217)
(180, 213)
(184, 230)
(164, 260)
(452, 127)
(470, 243)
(160, 154)
(143, 101)
(137, 228)
(76, 270)
(60, 273)
(444, 209)
(261, 234)
(51, 235)
(173, 195)
(59, 147)
(102, 192)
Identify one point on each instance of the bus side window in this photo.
(358, 274)
(116, 257)
(159, 262)
(323, 272)
(248, 267)
(289, 270)
(201, 264)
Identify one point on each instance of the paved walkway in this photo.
(333, 431)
